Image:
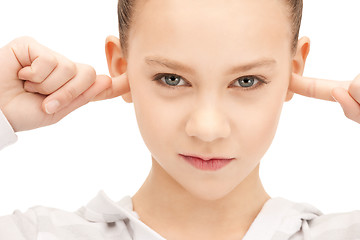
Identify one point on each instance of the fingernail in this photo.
(52, 106)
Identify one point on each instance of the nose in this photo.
(208, 123)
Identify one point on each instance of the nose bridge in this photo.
(208, 121)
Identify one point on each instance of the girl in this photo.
(208, 80)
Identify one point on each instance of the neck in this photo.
(161, 200)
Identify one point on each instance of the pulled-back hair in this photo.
(126, 9)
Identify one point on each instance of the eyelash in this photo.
(261, 81)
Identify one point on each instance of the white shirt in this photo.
(7, 135)
(105, 219)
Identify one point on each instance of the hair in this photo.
(126, 10)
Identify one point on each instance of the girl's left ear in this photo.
(298, 61)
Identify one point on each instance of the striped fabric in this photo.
(104, 219)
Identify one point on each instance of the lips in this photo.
(206, 158)
(211, 164)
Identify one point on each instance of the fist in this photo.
(38, 87)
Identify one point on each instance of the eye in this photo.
(169, 80)
(249, 82)
(172, 81)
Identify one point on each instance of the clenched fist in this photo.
(38, 87)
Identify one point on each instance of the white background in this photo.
(314, 158)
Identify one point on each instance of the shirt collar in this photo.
(277, 214)
(102, 209)
(280, 215)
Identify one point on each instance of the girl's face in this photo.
(228, 66)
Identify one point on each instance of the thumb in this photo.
(119, 86)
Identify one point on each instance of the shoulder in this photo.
(336, 226)
(40, 222)
(282, 219)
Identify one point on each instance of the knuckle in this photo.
(84, 99)
(50, 60)
(71, 93)
(69, 68)
(44, 89)
(89, 73)
(35, 76)
(354, 86)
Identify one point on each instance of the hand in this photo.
(32, 77)
(347, 93)
(119, 87)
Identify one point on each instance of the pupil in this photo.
(248, 82)
(172, 80)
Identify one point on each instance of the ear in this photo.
(298, 61)
(116, 61)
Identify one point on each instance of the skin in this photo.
(198, 118)
(33, 76)
(206, 116)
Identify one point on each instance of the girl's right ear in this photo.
(116, 61)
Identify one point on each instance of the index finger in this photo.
(314, 87)
(119, 86)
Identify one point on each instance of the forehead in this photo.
(216, 28)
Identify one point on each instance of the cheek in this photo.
(259, 125)
(262, 130)
(157, 119)
(162, 118)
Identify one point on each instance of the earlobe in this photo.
(298, 61)
(116, 61)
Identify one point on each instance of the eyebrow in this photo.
(175, 65)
